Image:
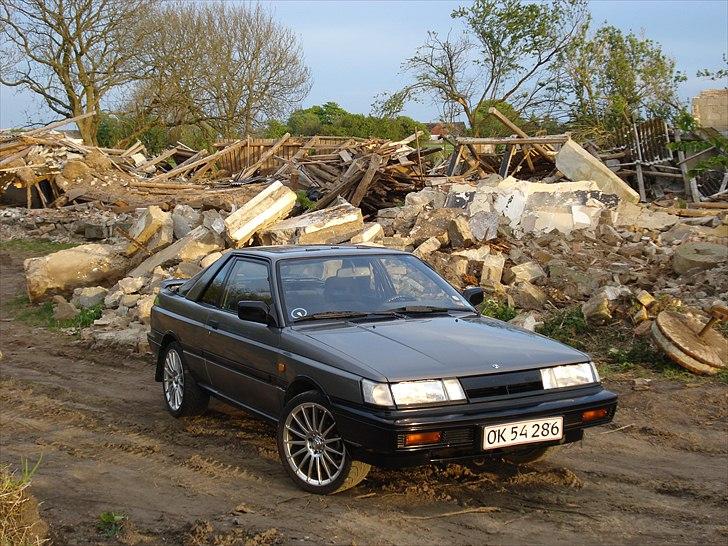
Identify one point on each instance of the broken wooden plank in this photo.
(366, 180)
(516, 129)
(157, 159)
(59, 123)
(263, 158)
(298, 155)
(205, 160)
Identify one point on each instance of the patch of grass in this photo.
(567, 326)
(110, 524)
(18, 515)
(304, 201)
(497, 310)
(36, 246)
(42, 314)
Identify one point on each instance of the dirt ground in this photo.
(659, 474)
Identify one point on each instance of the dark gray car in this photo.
(366, 356)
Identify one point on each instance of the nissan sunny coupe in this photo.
(366, 356)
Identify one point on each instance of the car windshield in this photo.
(356, 286)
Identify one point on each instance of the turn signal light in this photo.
(593, 415)
(422, 438)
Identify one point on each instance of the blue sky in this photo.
(355, 48)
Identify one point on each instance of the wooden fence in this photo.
(246, 155)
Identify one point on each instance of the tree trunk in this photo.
(88, 128)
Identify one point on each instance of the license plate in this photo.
(523, 432)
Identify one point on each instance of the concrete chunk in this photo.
(492, 269)
(197, 244)
(185, 219)
(371, 233)
(88, 297)
(529, 271)
(327, 226)
(528, 296)
(65, 270)
(459, 233)
(150, 221)
(578, 164)
(426, 248)
(265, 209)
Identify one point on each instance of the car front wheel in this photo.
(182, 395)
(311, 449)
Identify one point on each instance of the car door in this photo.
(241, 355)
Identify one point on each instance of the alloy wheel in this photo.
(173, 380)
(313, 447)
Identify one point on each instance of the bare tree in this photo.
(505, 55)
(232, 67)
(71, 53)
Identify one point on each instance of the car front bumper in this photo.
(376, 436)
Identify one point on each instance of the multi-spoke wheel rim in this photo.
(312, 445)
(173, 380)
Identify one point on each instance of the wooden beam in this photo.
(366, 180)
(157, 159)
(516, 129)
(298, 155)
(184, 168)
(60, 123)
(550, 139)
(263, 158)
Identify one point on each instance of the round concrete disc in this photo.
(682, 332)
(678, 357)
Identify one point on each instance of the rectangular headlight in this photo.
(376, 393)
(410, 393)
(569, 376)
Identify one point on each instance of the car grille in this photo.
(501, 384)
(452, 437)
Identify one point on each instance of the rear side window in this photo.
(248, 280)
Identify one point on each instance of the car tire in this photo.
(525, 456)
(182, 394)
(311, 450)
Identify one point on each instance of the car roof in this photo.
(313, 251)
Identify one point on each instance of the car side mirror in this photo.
(255, 311)
(474, 295)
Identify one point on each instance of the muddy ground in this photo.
(659, 474)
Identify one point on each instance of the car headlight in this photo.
(410, 393)
(569, 376)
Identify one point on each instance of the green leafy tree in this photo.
(505, 55)
(614, 77)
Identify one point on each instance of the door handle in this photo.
(214, 324)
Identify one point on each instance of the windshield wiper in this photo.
(334, 315)
(423, 309)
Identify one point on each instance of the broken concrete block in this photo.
(459, 233)
(484, 225)
(113, 299)
(405, 218)
(528, 296)
(585, 217)
(645, 298)
(608, 234)
(492, 269)
(640, 315)
(62, 271)
(370, 233)
(63, 310)
(88, 297)
(265, 209)
(186, 270)
(213, 221)
(144, 307)
(474, 255)
(163, 237)
(210, 259)
(398, 242)
(578, 164)
(698, 256)
(528, 271)
(426, 248)
(185, 219)
(327, 226)
(148, 223)
(131, 285)
(597, 309)
(529, 320)
(655, 220)
(432, 223)
(129, 300)
(194, 246)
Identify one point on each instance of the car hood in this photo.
(442, 346)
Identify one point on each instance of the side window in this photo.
(248, 281)
(213, 292)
